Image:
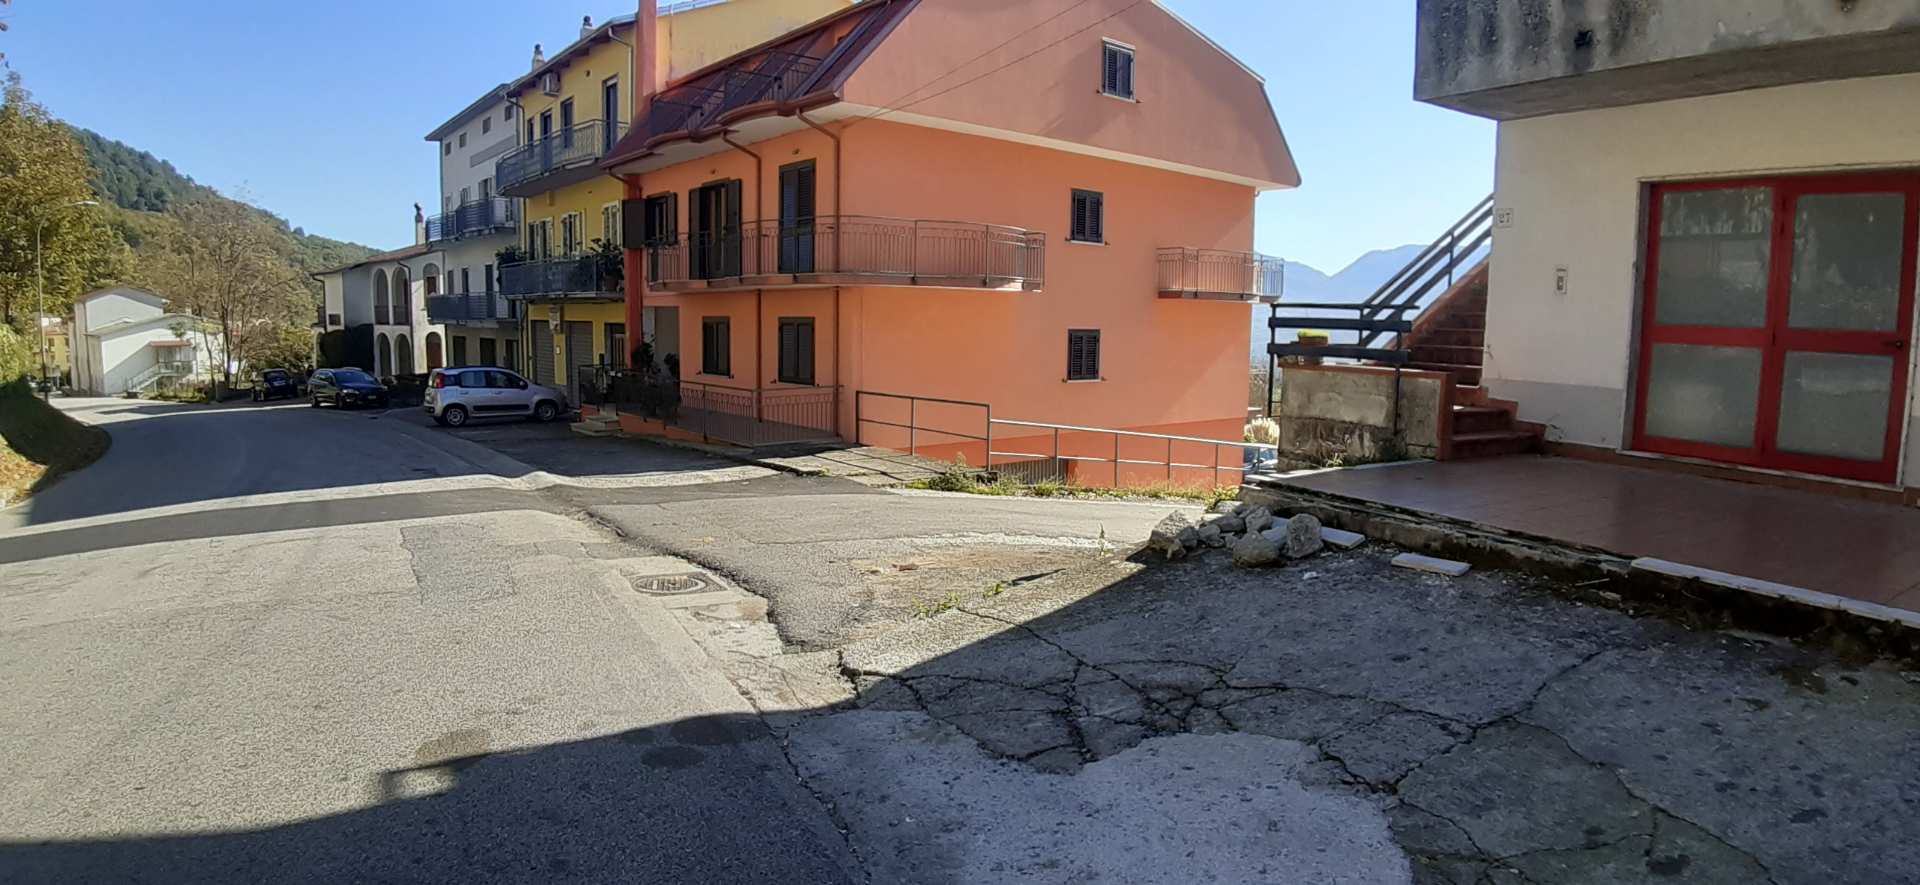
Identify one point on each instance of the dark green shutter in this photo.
(633, 223)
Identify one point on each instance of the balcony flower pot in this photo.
(1311, 338)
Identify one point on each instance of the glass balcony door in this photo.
(1778, 317)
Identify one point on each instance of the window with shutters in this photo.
(487, 271)
(1083, 354)
(610, 222)
(466, 280)
(1118, 74)
(572, 234)
(796, 217)
(716, 346)
(796, 350)
(1089, 223)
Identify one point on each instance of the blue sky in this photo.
(317, 111)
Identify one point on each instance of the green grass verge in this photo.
(39, 443)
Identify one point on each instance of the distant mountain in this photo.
(146, 186)
(1352, 284)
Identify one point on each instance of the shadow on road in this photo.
(1136, 721)
(165, 455)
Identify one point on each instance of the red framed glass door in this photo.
(1776, 322)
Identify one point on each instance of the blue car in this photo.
(275, 384)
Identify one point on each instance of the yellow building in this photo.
(573, 107)
(58, 353)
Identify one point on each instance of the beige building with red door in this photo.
(1705, 223)
(1042, 208)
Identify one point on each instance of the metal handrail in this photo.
(1440, 260)
(912, 250)
(569, 146)
(472, 217)
(1191, 271)
(558, 276)
(1169, 463)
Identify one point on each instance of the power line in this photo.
(985, 74)
(991, 50)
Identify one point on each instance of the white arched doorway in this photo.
(402, 297)
(382, 356)
(402, 355)
(382, 303)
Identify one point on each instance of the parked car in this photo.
(456, 396)
(346, 388)
(275, 384)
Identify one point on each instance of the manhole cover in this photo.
(672, 585)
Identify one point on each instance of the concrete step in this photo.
(1462, 374)
(1451, 354)
(1494, 444)
(594, 428)
(1469, 420)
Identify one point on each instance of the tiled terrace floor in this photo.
(1858, 549)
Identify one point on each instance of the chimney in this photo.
(646, 44)
(419, 225)
(586, 26)
(539, 58)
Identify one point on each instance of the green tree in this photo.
(227, 263)
(43, 172)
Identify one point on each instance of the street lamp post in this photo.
(40, 295)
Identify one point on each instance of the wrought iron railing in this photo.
(1213, 273)
(1380, 322)
(579, 144)
(476, 218)
(889, 249)
(584, 275)
(774, 76)
(738, 415)
(968, 433)
(467, 308)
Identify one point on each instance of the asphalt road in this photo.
(274, 644)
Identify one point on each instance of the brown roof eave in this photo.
(649, 147)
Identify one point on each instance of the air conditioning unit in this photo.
(550, 83)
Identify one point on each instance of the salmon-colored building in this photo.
(1044, 208)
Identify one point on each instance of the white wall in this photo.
(458, 169)
(1574, 185)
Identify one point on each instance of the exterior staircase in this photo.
(604, 423)
(1450, 336)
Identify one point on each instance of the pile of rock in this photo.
(1248, 530)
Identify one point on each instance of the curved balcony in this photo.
(569, 156)
(852, 250)
(1214, 275)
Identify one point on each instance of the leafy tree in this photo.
(43, 172)
(228, 263)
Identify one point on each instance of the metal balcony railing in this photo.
(1215, 274)
(887, 250)
(467, 308)
(578, 145)
(772, 77)
(557, 277)
(473, 219)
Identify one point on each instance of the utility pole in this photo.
(40, 297)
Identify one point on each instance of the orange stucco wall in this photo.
(1034, 67)
(1178, 366)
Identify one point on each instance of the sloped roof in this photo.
(802, 68)
(1006, 71)
(483, 103)
(395, 255)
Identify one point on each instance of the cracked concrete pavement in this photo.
(1500, 733)
(842, 566)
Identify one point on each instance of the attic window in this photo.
(1117, 79)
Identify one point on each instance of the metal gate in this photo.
(542, 352)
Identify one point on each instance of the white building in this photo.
(125, 340)
(466, 237)
(1705, 226)
(378, 309)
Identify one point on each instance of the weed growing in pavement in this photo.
(998, 588)
(924, 609)
(960, 479)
